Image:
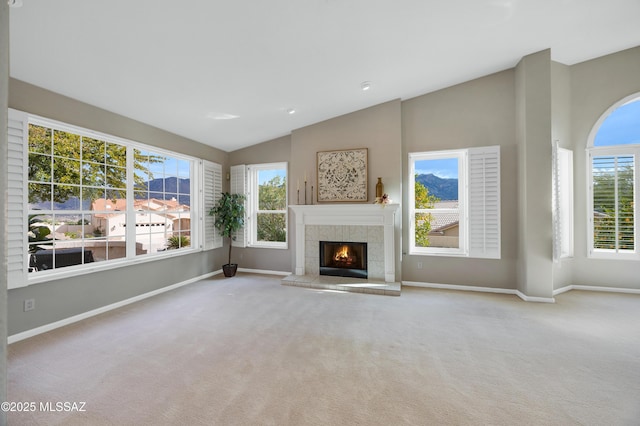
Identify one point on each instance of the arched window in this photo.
(621, 126)
(614, 154)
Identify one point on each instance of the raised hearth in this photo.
(373, 224)
(342, 284)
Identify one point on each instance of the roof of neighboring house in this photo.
(446, 204)
(102, 204)
(443, 221)
(153, 204)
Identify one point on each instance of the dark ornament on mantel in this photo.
(379, 189)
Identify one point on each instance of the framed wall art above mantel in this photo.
(342, 176)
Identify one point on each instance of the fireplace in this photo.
(343, 259)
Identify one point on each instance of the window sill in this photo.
(284, 246)
(438, 253)
(602, 255)
(75, 271)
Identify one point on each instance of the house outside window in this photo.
(454, 203)
(614, 182)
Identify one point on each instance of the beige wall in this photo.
(477, 113)
(376, 128)
(596, 86)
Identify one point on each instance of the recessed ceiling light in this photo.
(216, 116)
(365, 85)
(291, 111)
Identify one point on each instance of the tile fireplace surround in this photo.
(373, 224)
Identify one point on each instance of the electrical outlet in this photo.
(419, 265)
(29, 304)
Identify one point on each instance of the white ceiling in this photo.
(177, 64)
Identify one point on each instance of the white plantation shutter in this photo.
(562, 202)
(484, 202)
(17, 162)
(239, 186)
(212, 188)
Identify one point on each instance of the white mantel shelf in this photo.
(347, 214)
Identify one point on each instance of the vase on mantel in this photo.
(379, 190)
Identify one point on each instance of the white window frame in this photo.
(479, 203)
(461, 156)
(252, 171)
(18, 204)
(615, 150)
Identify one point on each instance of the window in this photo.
(562, 202)
(454, 202)
(266, 191)
(438, 202)
(613, 184)
(91, 199)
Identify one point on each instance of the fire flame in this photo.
(342, 254)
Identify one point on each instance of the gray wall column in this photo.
(534, 120)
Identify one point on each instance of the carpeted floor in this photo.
(249, 351)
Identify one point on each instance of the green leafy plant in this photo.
(178, 241)
(229, 216)
(38, 233)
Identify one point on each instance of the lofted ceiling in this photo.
(227, 73)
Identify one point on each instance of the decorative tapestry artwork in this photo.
(342, 175)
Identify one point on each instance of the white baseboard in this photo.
(534, 298)
(263, 271)
(52, 326)
(595, 288)
(459, 287)
(480, 289)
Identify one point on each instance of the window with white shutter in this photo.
(484, 202)
(454, 202)
(78, 199)
(17, 261)
(614, 182)
(562, 202)
(212, 189)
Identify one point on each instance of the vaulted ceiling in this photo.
(228, 73)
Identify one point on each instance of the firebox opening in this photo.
(343, 259)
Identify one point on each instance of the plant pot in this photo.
(230, 269)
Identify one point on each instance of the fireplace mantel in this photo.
(347, 214)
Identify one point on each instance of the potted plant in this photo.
(229, 214)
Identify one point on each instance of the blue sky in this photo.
(622, 126)
(446, 168)
(267, 175)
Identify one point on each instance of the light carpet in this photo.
(249, 351)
